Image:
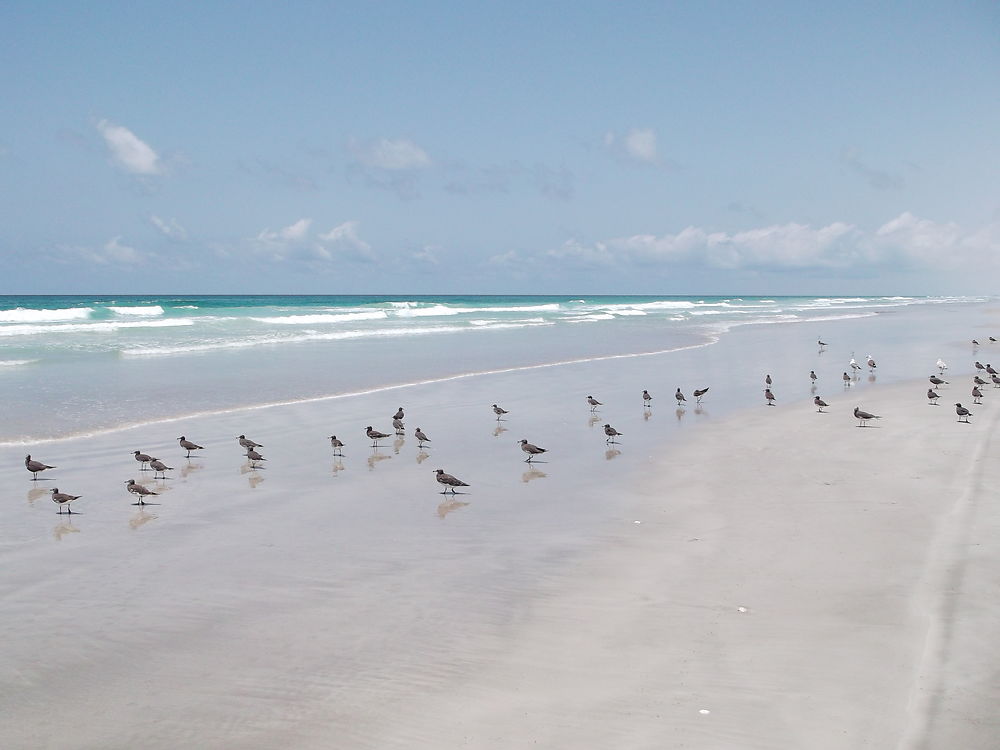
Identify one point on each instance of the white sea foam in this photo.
(16, 362)
(420, 312)
(323, 318)
(144, 310)
(28, 315)
(102, 327)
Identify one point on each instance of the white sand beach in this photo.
(764, 578)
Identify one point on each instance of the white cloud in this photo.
(904, 242)
(170, 228)
(392, 155)
(131, 153)
(295, 232)
(345, 240)
(638, 144)
(113, 252)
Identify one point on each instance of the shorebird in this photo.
(159, 467)
(768, 381)
(871, 364)
(863, 416)
(646, 399)
(975, 343)
(449, 482)
(936, 381)
(499, 412)
(34, 467)
(996, 381)
(375, 435)
(977, 395)
(963, 413)
(254, 457)
(337, 445)
(421, 438)
(813, 377)
(990, 370)
(189, 446)
(932, 397)
(143, 459)
(698, 393)
(821, 343)
(397, 425)
(769, 396)
(531, 450)
(138, 489)
(847, 380)
(978, 380)
(594, 403)
(248, 443)
(992, 340)
(854, 364)
(680, 397)
(398, 414)
(820, 403)
(980, 366)
(942, 365)
(62, 499)
(612, 433)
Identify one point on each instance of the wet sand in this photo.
(767, 577)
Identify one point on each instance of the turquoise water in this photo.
(73, 364)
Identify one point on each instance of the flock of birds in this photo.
(450, 482)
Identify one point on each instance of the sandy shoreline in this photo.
(344, 603)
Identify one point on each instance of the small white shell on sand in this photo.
(704, 711)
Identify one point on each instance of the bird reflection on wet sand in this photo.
(253, 477)
(62, 529)
(140, 518)
(500, 429)
(422, 456)
(449, 506)
(533, 474)
(191, 467)
(375, 457)
(700, 410)
(680, 414)
(337, 467)
(397, 444)
(611, 453)
(594, 420)
(37, 493)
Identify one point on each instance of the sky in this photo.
(500, 147)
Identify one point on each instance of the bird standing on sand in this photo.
(812, 377)
(978, 381)
(337, 445)
(990, 370)
(820, 403)
(255, 458)
(936, 381)
(963, 413)
(854, 365)
(698, 393)
(769, 396)
(768, 381)
(594, 403)
(871, 364)
(62, 499)
(992, 340)
(421, 438)
(821, 343)
(975, 343)
(980, 366)
(159, 467)
(531, 450)
(397, 425)
(188, 446)
(932, 397)
(499, 412)
(863, 416)
(143, 459)
(248, 443)
(941, 365)
(977, 395)
(847, 380)
(996, 381)
(647, 400)
(398, 414)
(139, 490)
(34, 467)
(375, 435)
(612, 433)
(680, 397)
(449, 482)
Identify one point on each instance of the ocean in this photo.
(76, 365)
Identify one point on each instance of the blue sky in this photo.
(444, 147)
